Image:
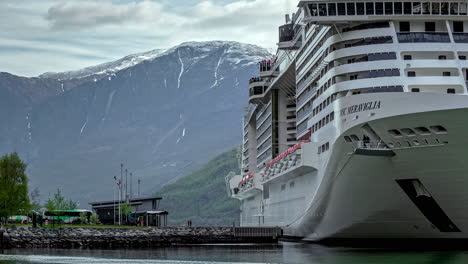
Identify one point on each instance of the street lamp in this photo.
(119, 185)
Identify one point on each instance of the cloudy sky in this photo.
(38, 36)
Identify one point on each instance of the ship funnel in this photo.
(287, 18)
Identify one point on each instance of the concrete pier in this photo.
(111, 238)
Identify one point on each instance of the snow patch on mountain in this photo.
(181, 69)
(235, 53)
(106, 68)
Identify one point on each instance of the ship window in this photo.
(395, 132)
(408, 143)
(313, 9)
(266, 191)
(379, 8)
(327, 146)
(407, 57)
(351, 9)
(354, 138)
(408, 131)
(442, 57)
(437, 141)
(416, 142)
(444, 8)
(283, 187)
(407, 8)
(411, 74)
(423, 131)
(426, 141)
(390, 144)
(360, 8)
(369, 8)
(415, 90)
(463, 8)
(404, 26)
(341, 9)
(389, 8)
(458, 26)
(322, 9)
(454, 8)
(416, 8)
(446, 74)
(451, 90)
(426, 8)
(439, 129)
(347, 139)
(332, 9)
(435, 8)
(429, 26)
(291, 184)
(397, 8)
(462, 57)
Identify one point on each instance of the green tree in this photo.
(126, 209)
(14, 197)
(84, 218)
(58, 202)
(94, 219)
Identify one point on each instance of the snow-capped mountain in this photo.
(107, 68)
(163, 114)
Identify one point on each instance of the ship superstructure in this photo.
(358, 127)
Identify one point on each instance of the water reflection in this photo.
(284, 253)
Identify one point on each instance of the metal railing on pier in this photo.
(273, 232)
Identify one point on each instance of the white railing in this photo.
(286, 160)
(372, 145)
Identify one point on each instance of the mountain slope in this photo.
(163, 117)
(201, 196)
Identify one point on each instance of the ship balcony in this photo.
(420, 37)
(334, 12)
(291, 162)
(460, 37)
(291, 130)
(232, 183)
(379, 149)
(267, 69)
(289, 37)
(257, 89)
(248, 186)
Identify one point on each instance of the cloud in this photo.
(76, 15)
(76, 34)
(205, 14)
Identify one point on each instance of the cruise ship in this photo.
(358, 126)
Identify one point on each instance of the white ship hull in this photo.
(354, 130)
(359, 196)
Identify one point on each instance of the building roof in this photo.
(135, 200)
(153, 212)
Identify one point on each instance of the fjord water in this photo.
(284, 253)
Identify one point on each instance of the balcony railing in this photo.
(418, 37)
(305, 97)
(256, 79)
(304, 113)
(460, 37)
(284, 161)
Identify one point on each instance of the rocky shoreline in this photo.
(112, 238)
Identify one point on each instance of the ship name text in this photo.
(360, 108)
